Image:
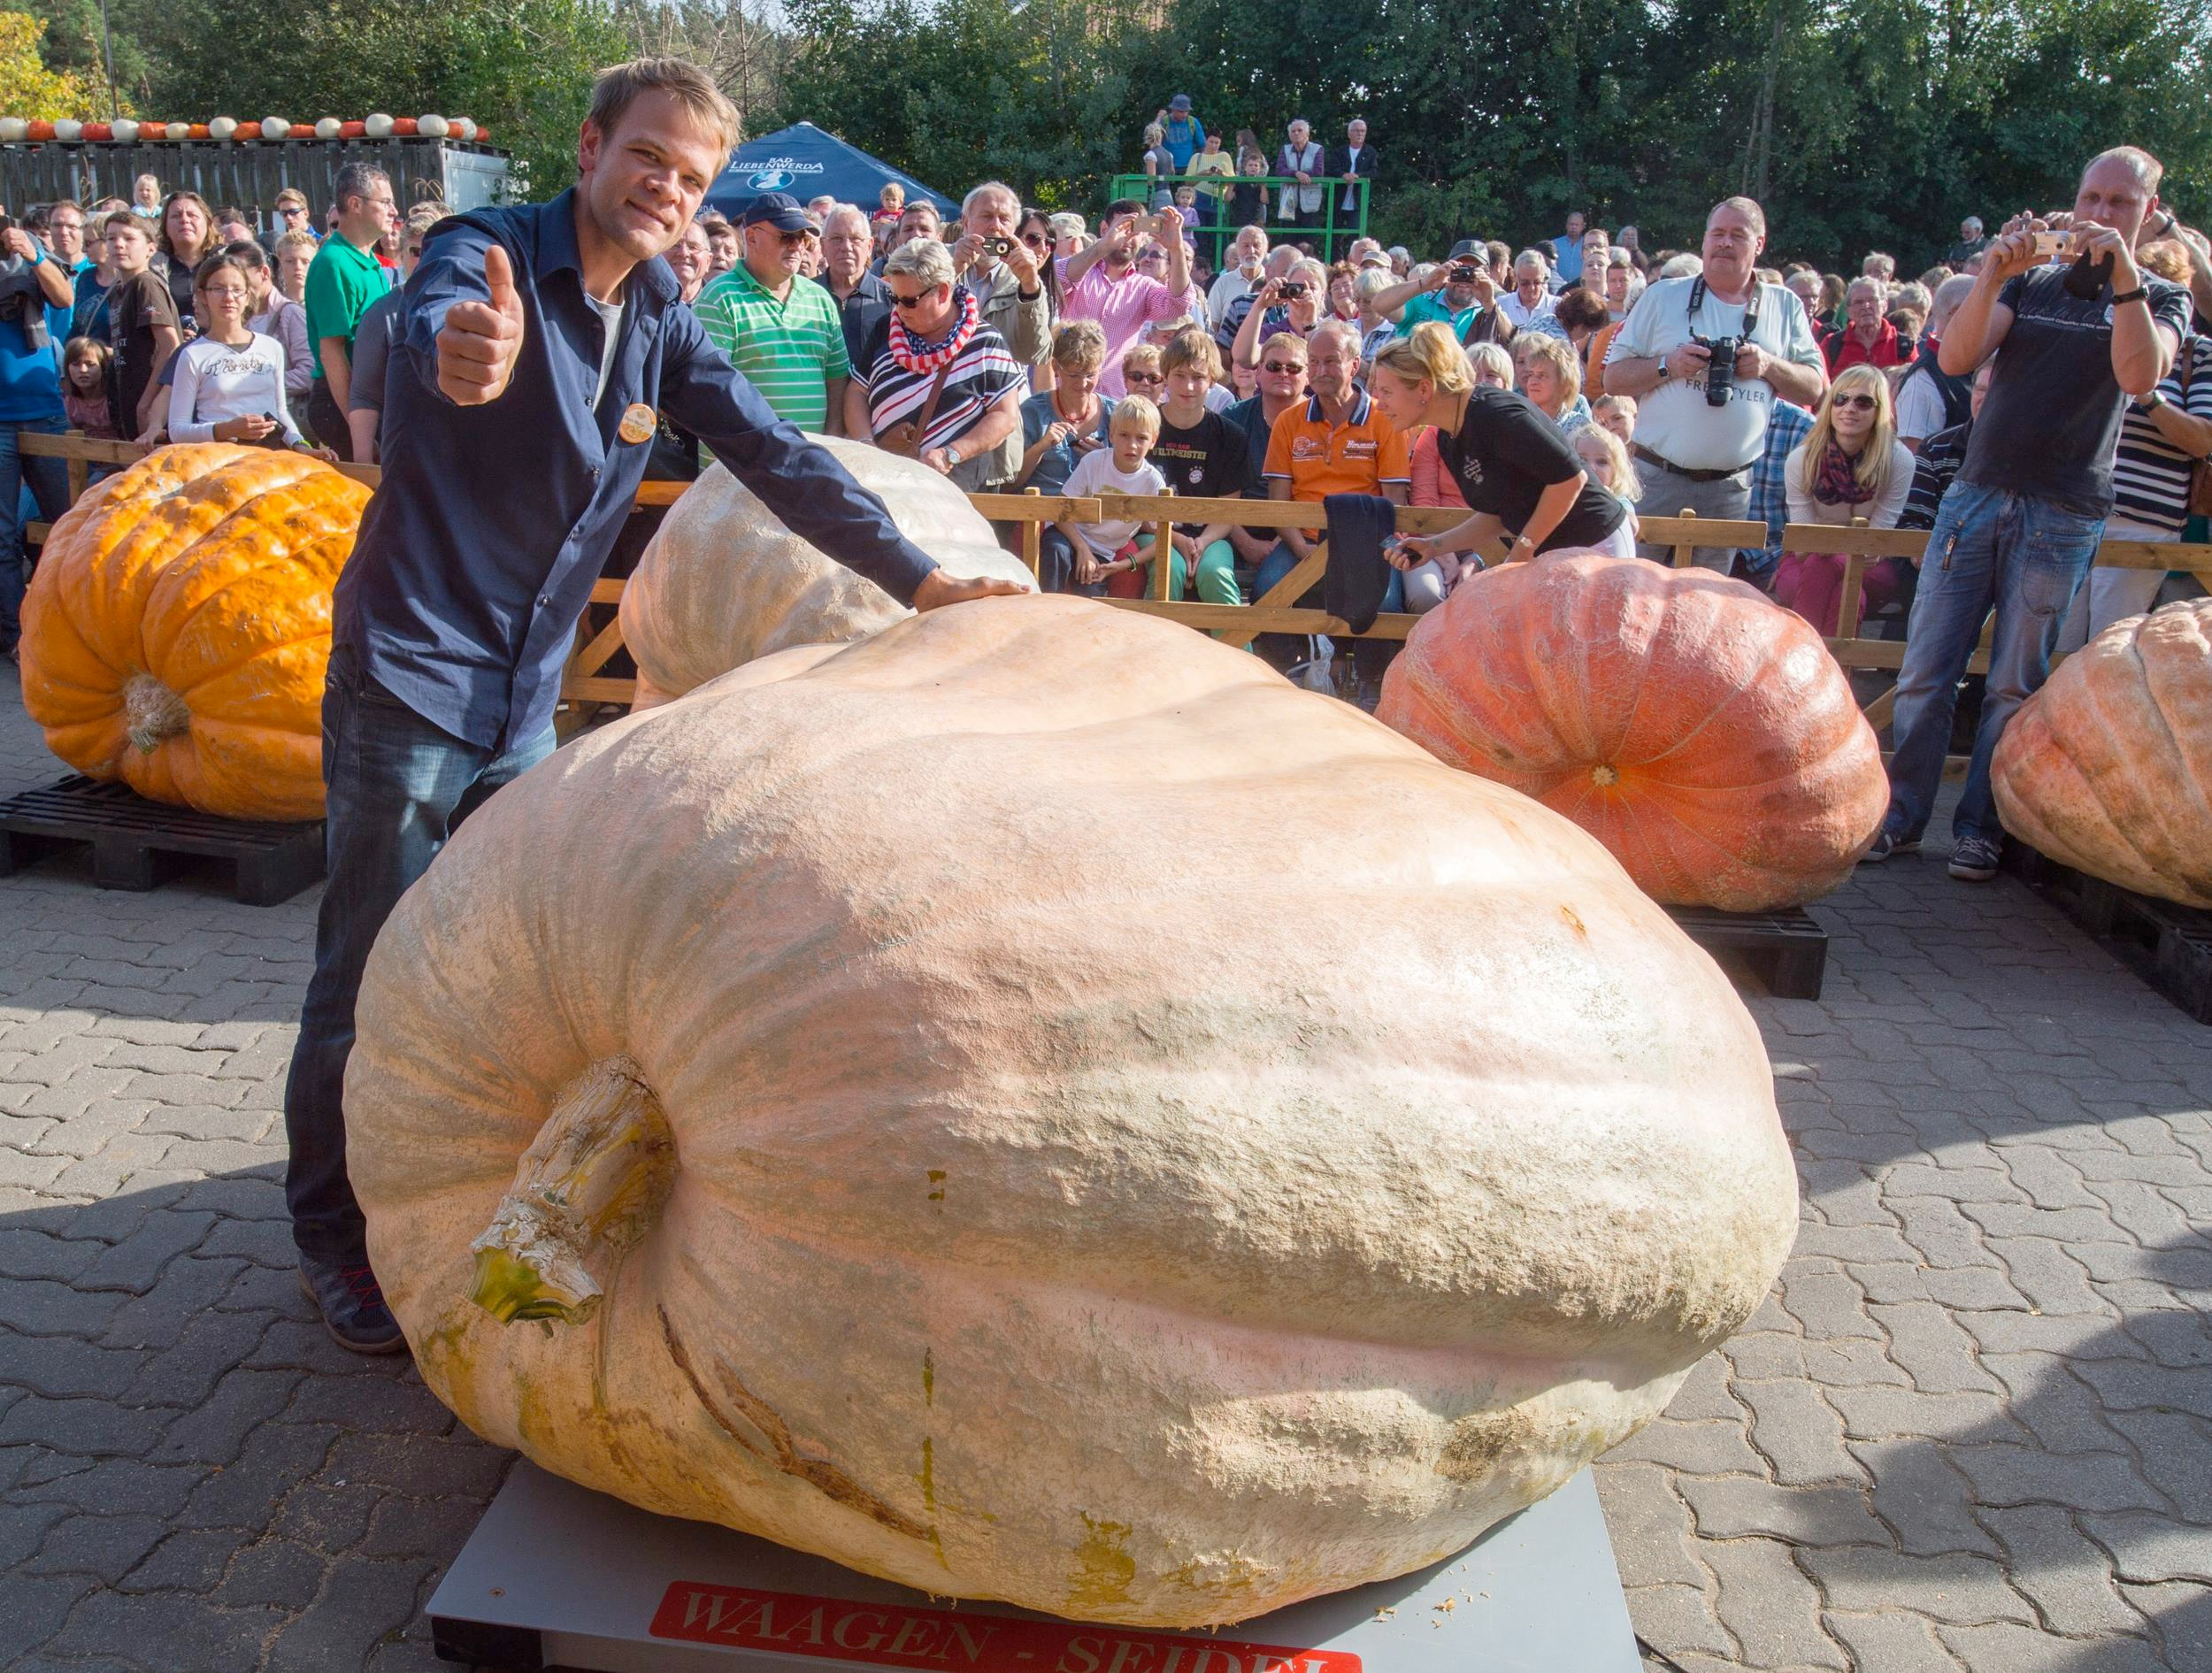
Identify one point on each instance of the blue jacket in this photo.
(478, 553)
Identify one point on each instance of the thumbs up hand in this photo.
(478, 346)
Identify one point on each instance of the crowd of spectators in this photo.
(1551, 392)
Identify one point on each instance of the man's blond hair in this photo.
(620, 86)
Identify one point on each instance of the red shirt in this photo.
(1845, 349)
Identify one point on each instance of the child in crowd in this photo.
(1618, 414)
(142, 326)
(1107, 551)
(85, 398)
(1605, 456)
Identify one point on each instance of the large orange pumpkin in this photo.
(2108, 768)
(178, 627)
(1707, 738)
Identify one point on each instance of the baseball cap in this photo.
(778, 210)
(1466, 249)
(1179, 103)
(1374, 258)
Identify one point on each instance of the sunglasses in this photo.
(1035, 240)
(1144, 377)
(898, 301)
(1863, 403)
(1280, 367)
(789, 239)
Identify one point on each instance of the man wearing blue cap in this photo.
(1185, 135)
(778, 326)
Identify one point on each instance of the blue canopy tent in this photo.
(805, 162)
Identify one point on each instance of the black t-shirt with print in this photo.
(2051, 419)
(1207, 461)
(1506, 453)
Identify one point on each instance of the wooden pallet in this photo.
(137, 842)
(2169, 946)
(1786, 949)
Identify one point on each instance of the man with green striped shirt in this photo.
(779, 328)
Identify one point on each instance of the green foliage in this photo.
(1860, 124)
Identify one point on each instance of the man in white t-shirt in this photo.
(1929, 399)
(1240, 273)
(1530, 304)
(1695, 453)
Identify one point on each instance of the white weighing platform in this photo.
(558, 1576)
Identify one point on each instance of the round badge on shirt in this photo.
(637, 422)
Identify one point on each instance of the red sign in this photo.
(892, 1635)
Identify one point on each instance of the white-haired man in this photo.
(1972, 241)
(1698, 445)
(2019, 526)
(1002, 271)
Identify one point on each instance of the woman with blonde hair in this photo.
(1550, 373)
(1516, 471)
(1849, 465)
(1491, 364)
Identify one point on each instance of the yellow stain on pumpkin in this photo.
(929, 1379)
(1103, 1570)
(937, 1178)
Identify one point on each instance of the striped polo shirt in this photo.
(789, 349)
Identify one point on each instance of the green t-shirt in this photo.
(789, 349)
(1431, 305)
(341, 282)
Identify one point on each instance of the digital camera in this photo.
(1720, 372)
(1460, 273)
(1291, 289)
(1000, 247)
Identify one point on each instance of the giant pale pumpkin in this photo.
(724, 581)
(1031, 1106)
(2109, 767)
(178, 627)
(1707, 738)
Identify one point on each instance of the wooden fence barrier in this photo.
(586, 689)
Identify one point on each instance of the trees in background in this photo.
(1858, 123)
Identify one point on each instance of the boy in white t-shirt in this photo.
(1105, 550)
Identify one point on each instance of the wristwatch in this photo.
(2139, 294)
(952, 453)
(2151, 402)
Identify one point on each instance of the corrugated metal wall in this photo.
(249, 174)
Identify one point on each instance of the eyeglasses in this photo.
(1280, 367)
(1143, 377)
(1036, 241)
(898, 301)
(790, 239)
(1862, 403)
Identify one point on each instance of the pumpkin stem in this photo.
(153, 712)
(594, 1179)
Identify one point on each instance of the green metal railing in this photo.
(1333, 225)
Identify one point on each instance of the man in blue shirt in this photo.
(1185, 134)
(520, 412)
(1566, 249)
(35, 303)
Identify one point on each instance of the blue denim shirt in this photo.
(478, 553)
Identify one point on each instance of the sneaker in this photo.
(352, 1305)
(1887, 847)
(1974, 859)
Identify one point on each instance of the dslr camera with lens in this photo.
(1720, 372)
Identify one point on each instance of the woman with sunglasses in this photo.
(934, 382)
(1849, 465)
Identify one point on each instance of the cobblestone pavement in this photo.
(1972, 1428)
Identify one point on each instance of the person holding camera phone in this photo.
(2019, 528)
(1706, 357)
(1102, 282)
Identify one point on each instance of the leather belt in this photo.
(1665, 463)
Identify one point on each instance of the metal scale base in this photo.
(558, 1576)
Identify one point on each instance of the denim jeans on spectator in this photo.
(48, 482)
(1670, 494)
(1055, 568)
(2025, 558)
(1280, 650)
(398, 787)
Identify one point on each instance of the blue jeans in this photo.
(48, 482)
(1282, 649)
(396, 788)
(1055, 568)
(2023, 558)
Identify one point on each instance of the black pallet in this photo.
(2167, 944)
(1786, 949)
(135, 842)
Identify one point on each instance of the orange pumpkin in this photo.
(178, 627)
(40, 128)
(1707, 738)
(2109, 767)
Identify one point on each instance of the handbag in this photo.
(2200, 470)
(904, 438)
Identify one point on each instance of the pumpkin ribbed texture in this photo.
(177, 628)
(1033, 1106)
(1707, 738)
(724, 581)
(2109, 767)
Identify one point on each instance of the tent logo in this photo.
(769, 179)
(779, 171)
